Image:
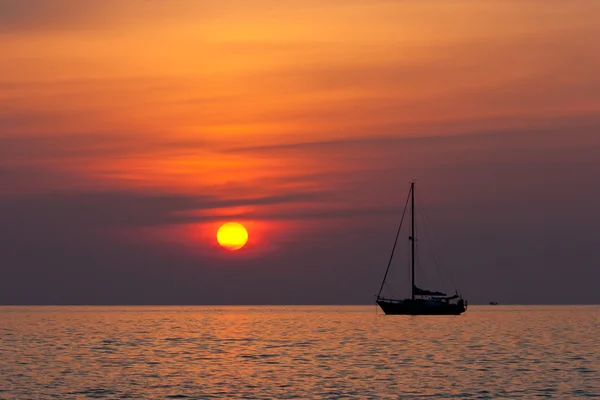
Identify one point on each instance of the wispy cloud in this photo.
(105, 209)
(68, 15)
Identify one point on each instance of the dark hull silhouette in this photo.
(420, 307)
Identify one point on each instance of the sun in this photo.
(232, 236)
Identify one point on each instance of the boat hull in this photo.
(420, 307)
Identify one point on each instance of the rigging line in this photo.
(418, 261)
(395, 243)
(408, 267)
(421, 266)
(433, 250)
(391, 291)
(417, 253)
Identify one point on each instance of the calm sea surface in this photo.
(297, 352)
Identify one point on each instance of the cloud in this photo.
(109, 144)
(555, 132)
(39, 14)
(93, 210)
(60, 15)
(497, 204)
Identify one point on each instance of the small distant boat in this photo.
(422, 301)
(493, 303)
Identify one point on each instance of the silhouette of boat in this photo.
(493, 303)
(422, 301)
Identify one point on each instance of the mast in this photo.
(412, 238)
(395, 243)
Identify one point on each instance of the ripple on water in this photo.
(297, 352)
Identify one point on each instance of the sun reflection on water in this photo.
(307, 352)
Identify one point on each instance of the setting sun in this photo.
(232, 236)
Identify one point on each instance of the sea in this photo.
(298, 352)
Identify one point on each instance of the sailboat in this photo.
(422, 301)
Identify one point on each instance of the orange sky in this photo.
(160, 90)
(278, 111)
(149, 95)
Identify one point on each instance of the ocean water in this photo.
(298, 352)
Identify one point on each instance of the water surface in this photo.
(298, 352)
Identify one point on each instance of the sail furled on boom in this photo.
(423, 292)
